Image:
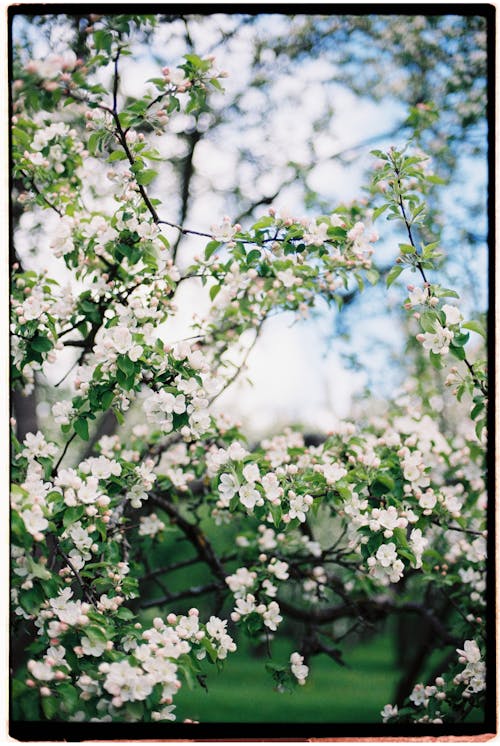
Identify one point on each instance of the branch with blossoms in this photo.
(404, 179)
(178, 486)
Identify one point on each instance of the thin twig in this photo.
(70, 440)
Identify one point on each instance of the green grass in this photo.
(244, 691)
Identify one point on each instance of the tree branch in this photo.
(193, 533)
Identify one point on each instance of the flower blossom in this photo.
(299, 670)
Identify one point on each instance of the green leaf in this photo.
(459, 340)
(81, 427)
(480, 426)
(263, 222)
(212, 653)
(103, 40)
(93, 142)
(399, 535)
(95, 634)
(124, 613)
(379, 211)
(69, 695)
(475, 326)
(146, 177)
(440, 292)
(433, 179)
(393, 275)
(39, 571)
(50, 706)
(477, 410)
(458, 352)
(372, 275)
(126, 365)
(276, 513)
(406, 248)
(117, 155)
(119, 416)
(211, 248)
(428, 321)
(72, 515)
(385, 479)
(41, 343)
(106, 399)
(214, 290)
(216, 84)
(253, 256)
(436, 360)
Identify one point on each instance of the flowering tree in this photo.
(402, 494)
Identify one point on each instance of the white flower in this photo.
(236, 452)
(92, 648)
(299, 505)
(249, 496)
(89, 491)
(228, 487)
(315, 235)
(101, 467)
(272, 616)
(418, 544)
(33, 307)
(355, 233)
(36, 445)
(471, 651)
(62, 411)
(80, 539)
(287, 277)
(269, 589)
(216, 627)
(245, 605)
(299, 670)
(428, 500)
(437, 342)
(267, 538)
(166, 713)
(150, 525)
(137, 494)
(121, 339)
(333, 472)
(419, 695)
(452, 313)
(178, 77)
(389, 711)
(147, 230)
(272, 488)
(251, 473)
(224, 232)
(41, 671)
(418, 296)
(278, 569)
(34, 521)
(386, 554)
(239, 581)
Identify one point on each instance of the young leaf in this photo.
(393, 275)
(81, 427)
(475, 326)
